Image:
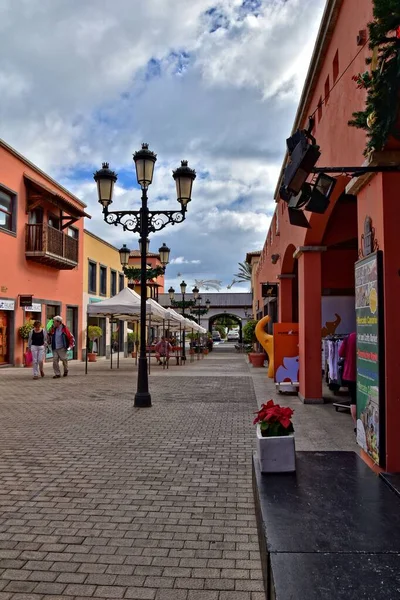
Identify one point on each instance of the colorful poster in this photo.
(286, 352)
(370, 366)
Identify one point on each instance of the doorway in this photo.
(72, 324)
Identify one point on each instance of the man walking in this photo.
(61, 341)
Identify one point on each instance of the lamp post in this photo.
(143, 221)
(183, 291)
(196, 297)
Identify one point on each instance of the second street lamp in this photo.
(144, 221)
(183, 286)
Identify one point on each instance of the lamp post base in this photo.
(142, 399)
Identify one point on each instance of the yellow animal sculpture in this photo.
(267, 342)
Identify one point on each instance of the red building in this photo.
(41, 245)
(315, 267)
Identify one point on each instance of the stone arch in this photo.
(238, 319)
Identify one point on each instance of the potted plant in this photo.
(275, 438)
(257, 359)
(24, 331)
(94, 333)
(133, 340)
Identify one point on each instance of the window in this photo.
(7, 211)
(319, 110)
(73, 232)
(121, 281)
(327, 90)
(103, 281)
(92, 277)
(54, 221)
(336, 66)
(113, 283)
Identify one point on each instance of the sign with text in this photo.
(34, 308)
(7, 304)
(370, 357)
(269, 290)
(25, 301)
(286, 352)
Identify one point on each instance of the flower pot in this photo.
(257, 359)
(91, 357)
(276, 454)
(134, 354)
(205, 351)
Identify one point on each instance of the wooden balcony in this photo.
(51, 247)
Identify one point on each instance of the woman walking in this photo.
(37, 343)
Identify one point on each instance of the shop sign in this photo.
(269, 290)
(33, 308)
(370, 357)
(25, 301)
(7, 304)
(93, 300)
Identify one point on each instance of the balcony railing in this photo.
(48, 245)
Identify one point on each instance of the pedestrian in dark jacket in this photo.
(62, 340)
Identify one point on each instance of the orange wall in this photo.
(21, 276)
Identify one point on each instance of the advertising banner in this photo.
(370, 357)
(286, 352)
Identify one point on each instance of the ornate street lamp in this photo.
(144, 221)
(164, 255)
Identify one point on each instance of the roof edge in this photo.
(324, 36)
(39, 171)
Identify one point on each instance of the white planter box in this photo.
(276, 454)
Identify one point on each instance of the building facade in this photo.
(41, 245)
(315, 267)
(102, 278)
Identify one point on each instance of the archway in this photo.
(225, 319)
(289, 287)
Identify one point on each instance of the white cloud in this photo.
(215, 82)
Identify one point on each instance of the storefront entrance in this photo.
(72, 324)
(5, 331)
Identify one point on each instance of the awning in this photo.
(38, 192)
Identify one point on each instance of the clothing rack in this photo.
(333, 365)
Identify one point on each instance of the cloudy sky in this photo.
(215, 82)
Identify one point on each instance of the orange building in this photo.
(315, 267)
(41, 245)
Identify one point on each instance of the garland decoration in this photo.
(133, 273)
(181, 304)
(382, 82)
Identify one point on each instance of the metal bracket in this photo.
(357, 171)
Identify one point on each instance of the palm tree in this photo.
(244, 273)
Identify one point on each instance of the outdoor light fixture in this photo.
(145, 160)
(184, 177)
(171, 293)
(105, 179)
(147, 245)
(124, 254)
(183, 286)
(320, 194)
(274, 258)
(144, 221)
(304, 153)
(298, 218)
(196, 292)
(164, 255)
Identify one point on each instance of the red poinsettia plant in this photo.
(274, 420)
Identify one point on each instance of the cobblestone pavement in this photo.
(99, 499)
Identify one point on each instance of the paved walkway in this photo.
(99, 499)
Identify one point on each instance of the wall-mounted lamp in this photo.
(275, 258)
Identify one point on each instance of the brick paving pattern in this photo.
(99, 499)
